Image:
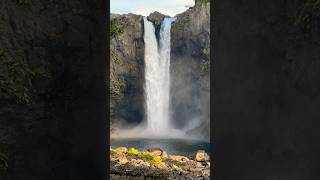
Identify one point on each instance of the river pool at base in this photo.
(182, 147)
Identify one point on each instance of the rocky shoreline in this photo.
(157, 164)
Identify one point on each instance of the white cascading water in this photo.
(157, 77)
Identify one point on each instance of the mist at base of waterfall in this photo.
(144, 132)
(141, 131)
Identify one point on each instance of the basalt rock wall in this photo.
(190, 74)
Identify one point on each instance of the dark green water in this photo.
(171, 146)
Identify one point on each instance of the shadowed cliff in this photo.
(52, 89)
(266, 90)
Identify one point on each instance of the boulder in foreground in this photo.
(201, 156)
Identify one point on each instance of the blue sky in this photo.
(145, 7)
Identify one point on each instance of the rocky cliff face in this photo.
(51, 88)
(189, 68)
(127, 69)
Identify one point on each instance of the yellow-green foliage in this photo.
(150, 157)
(133, 151)
(115, 57)
(115, 87)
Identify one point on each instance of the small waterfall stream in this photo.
(157, 77)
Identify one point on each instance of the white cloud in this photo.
(145, 11)
(166, 7)
(145, 7)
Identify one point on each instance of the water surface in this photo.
(171, 146)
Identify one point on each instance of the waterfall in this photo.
(157, 77)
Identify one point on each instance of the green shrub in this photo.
(133, 151)
(150, 158)
(115, 28)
